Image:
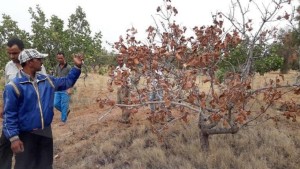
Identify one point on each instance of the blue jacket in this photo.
(26, 107)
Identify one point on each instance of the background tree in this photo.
(50, 36)
(9, 29)
(40, 35)
(81, 40)
(57, 40)
(288, 47)
(79, 32)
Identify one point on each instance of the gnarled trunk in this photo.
(204, 142)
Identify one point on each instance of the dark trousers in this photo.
(38, 150)
(6, 153)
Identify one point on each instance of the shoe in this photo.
(68, 112)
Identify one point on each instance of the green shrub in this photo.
(103, 70)
(220, 73)
(268, 64)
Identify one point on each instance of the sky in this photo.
(114, 17)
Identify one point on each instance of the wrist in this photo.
(14, 138)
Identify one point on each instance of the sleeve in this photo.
(10, 115)
(63, 83)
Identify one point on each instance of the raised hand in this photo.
(78, 59)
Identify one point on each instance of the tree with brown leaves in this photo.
(189, 62)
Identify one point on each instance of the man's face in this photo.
(120, 61)
(13, 53)
(36, 64)
(60, 58)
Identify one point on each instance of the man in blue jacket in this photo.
(28, 110)
(14, 48)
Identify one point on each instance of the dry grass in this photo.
(137, 147)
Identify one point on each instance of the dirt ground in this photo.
(86, 119)
(85, 109)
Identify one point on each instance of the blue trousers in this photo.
(61, 103)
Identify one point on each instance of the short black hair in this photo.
(15, 41)
(61, 53)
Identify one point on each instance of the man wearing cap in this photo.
(28, 110)
(14, 48)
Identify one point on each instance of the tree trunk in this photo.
(285, 67)
(204, 141)
(203, 135)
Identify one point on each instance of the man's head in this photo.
(120, 61)
(14, 48)
(32, 58)
(60, 57)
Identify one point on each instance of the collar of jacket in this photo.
(25, 78)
